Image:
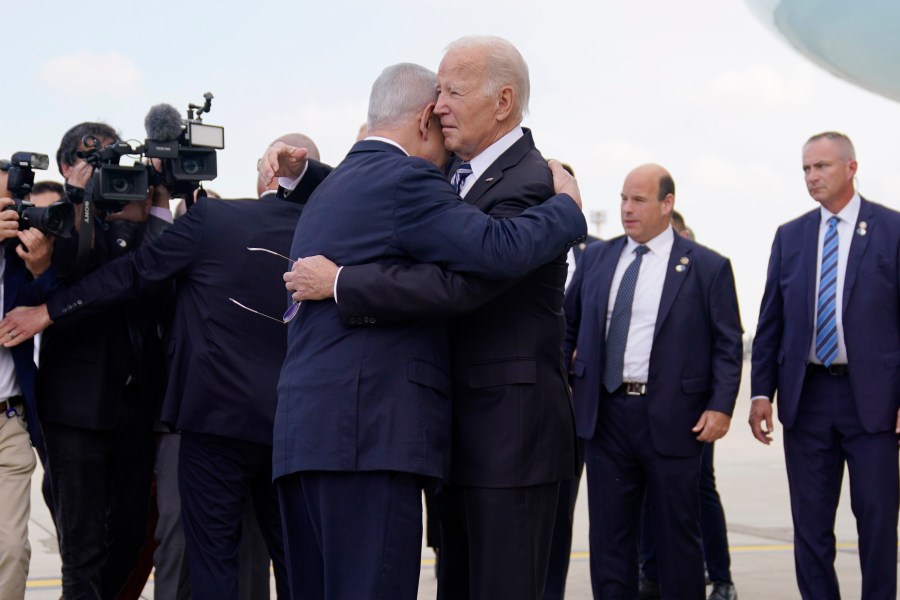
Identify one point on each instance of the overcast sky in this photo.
(699, 86)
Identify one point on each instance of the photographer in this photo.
(19, 428)
(99, 387)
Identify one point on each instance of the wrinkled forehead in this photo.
(462, 64)
(822, 150)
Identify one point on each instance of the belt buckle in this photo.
(633, 388)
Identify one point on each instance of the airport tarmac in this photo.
(751, 480)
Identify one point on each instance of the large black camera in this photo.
(56, 219)
(187, 147)
(113, 186)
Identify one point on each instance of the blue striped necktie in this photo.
(617, 336)
(460, 176)
(826, 307)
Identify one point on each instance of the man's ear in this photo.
(66, 170)
(425, 121)
(506, 100)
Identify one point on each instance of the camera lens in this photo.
(54, 221)
(120, 185)
(192, 166)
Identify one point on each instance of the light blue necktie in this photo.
(617, 336)
(460, 176)
(826, 308)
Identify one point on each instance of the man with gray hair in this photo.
(828, 345)
(364, 414)
(513, 434)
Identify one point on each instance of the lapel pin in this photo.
(684, 260)
(488, 179)
(861, 229)
(680, 268)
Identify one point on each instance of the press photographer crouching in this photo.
(22, 250)
(101, 379)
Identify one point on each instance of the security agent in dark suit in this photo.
(712, 517)
(364, 413)
(828, 344)
(223, 364)
(512, 436)
(644, 405)
(98, 386)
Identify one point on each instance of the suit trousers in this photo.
(170, 570)
(827, 434)
(561, 546)
(352, 534)
(101, 491)
(216, 478)
(17, 462)
(622, 466)
(712, 528)
(495, 542)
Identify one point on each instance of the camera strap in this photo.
(85, 237)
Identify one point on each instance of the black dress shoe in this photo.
(648, 590)
(723, 591)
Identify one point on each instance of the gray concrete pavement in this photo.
(753, 486)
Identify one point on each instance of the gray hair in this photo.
(400, 91)
(504, 66)
(843, 142)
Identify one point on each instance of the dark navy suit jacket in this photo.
(512, 413)
(871, 316)
(19, 289)
(223, 361)
(378, 398)
(696, 359)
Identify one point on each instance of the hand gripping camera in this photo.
(56, 219)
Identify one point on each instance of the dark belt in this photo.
(835, 370)
(9, 405)
(633, 388)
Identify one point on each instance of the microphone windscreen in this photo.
(163, 123)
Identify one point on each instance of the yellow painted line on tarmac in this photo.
(37, 584)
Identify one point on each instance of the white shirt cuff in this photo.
(288, 183)
(334, 291)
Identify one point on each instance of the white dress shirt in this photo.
(645, 307)
(845, 228)
(484, 160)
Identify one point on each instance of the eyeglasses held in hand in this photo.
(291, 311)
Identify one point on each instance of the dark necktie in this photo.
(826, 307)
(460, 176)
(617, 336)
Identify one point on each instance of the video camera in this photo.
(187, 149)
(56, 219)
(112, 186)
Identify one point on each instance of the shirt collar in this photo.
(661, 245)
(375, 138)
(484, 160)
(848, 214)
